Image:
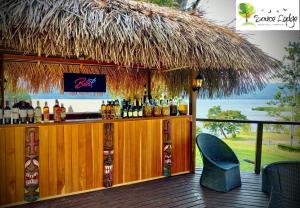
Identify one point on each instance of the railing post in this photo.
(259, 137)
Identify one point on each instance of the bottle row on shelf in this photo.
(133, 108)
(22, 112)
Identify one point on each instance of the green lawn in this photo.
(244, 147)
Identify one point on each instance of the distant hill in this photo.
(267, 93)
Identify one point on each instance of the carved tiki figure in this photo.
(31, 165)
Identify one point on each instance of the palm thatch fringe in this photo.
(128, 32)
(48, 77)
(125, 82)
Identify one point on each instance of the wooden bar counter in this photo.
(71, 154)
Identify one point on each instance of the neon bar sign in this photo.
(84, 82)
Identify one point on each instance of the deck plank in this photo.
(177, 191)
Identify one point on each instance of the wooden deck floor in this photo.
(176, 191)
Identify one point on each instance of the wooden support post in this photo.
(259, 138)
(2, 80)
(192, 112)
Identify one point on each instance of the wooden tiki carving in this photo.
(167, 148)
(32, 192)
(108, 154)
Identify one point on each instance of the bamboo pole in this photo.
(192, 112)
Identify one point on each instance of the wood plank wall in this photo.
(71, 155)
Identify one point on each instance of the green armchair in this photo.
(221, 167)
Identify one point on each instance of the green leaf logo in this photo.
(246, 10)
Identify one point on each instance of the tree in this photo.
(224, 128)
(287, 97)
(246, 10)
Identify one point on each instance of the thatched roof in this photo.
(128, 32)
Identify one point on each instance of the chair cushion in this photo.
(227, 165)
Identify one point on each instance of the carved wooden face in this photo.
(32, 172)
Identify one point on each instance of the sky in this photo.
(271, 42)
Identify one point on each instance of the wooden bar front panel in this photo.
(181, 145)
(71, 155)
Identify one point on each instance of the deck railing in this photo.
(259, 134)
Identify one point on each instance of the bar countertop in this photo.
(95, 120)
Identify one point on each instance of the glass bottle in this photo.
(130, 109)
(63, 114)
(38, 113)
(140, 109)
(23, 112)
(1, 112)
(173, 108)
(113, 110)
(147, 109)
(103, 110)
(135, 109)
(46, 112)
(124, 109)
(7, 113)
(117, 109)
(15, 112)
(182, 108)
(56, 112)
(30, 113)
(108, 110)
(145, 94)
(157, 109)
(165, 108)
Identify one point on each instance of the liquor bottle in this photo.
(108, 110)
(7, 113)
(117, 109)
(182, 108)
(145, 94)
(103, 110)
(15, 112)
(23, 112)
(1, 112)
(30, 113)
(63, 114)
(135, 109)
(46, 112)
(165, 107)
(140, 109)
(147, 109)
(173, 108)
(113, 110)
(38, 113)
(130, 109)
(124, 109)
(56, 112)
(157, 109)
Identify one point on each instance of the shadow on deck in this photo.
(176, 191)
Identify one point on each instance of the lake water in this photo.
(245, 106)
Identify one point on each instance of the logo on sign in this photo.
(267, 15)
(84, 82)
